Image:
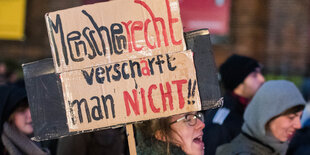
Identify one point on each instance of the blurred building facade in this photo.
(276, 32)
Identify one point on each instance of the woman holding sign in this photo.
(179, 134)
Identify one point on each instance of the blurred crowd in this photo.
(16, 126)
(257, 117)
(7, 75)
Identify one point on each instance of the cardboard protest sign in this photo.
(130, 91)
(45, 99)
(114, 31)
(208, 84)
(45, 93)
(123, 64)
(114, 63)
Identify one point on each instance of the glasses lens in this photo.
(200, 116)
(191, 119)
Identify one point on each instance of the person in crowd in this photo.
(16, 123)
(270, 121)
(241, 77)
(3, 72)
(174, 135)
(109, 141)
(8, 72)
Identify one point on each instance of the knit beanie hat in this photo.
(235, 69)
(10, 97)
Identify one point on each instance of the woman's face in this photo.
(22, 120)
(284, 127)
(188, 137)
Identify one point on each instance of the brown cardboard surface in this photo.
(110, 32)
(166, 86)
(122, 62)
(46, 93)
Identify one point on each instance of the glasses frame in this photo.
(198, 115)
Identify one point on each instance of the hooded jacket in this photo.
(273, 98)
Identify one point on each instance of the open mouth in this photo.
(290, 135)
(198, 141)
(29, 123)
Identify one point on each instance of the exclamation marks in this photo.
(191, 91)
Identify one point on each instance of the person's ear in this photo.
(159, 136)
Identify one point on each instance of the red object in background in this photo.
(211, 14)
(93, 1)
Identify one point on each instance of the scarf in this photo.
(17, 143)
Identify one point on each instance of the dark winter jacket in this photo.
(223, 124)
(273, 98)
(110, 141)
(300, 144)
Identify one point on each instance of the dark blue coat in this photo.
(222, 124)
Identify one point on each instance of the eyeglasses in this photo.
(190, 119)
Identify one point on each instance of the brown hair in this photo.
(22, 106)
(149, 128)
(293, 110)
(288, 111)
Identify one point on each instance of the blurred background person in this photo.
(174, 135)
(241, 77)
(3, 71)
(16, 123)
(270, 121)
(9, 72)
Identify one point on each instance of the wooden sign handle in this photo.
(131, 139)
